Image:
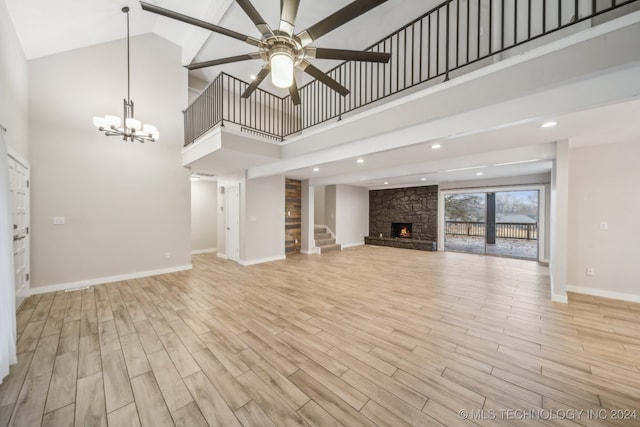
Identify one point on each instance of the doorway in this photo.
(503, 223)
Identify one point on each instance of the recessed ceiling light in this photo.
(195, 178)
(548, 124)
(316, 169)
(252, 76)
(423, 179)
(360, 160)
(435, 146)
(386, 183)
(480, 173)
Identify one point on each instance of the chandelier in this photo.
(128, 128)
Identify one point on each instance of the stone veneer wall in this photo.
(417, 205)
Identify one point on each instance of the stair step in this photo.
(330, 248)
(325, 242)
(319, 229)
(321, 236)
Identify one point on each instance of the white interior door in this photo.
(233, 222)
(19, 180)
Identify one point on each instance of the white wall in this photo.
(603, 184)
(352, 215)
(127, 205)
(204, 216)
(330, 207)
(318, 205)
(264, 220)
(14, 86)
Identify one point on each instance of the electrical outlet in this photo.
(59, 220)
(604, 225)
(591, 271)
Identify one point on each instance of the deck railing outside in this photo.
(504, 230)
(453, 35)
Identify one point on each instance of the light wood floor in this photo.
(366, 336)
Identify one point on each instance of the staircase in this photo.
(323, 240)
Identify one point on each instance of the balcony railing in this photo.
(453, 35)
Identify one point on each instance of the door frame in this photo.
(542, 211)
(23, 293)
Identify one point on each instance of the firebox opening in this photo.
(401, 230)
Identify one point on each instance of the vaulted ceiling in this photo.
(45, 28)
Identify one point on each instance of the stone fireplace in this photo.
(404, 217)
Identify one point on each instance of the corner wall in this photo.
(126, 205)
(603, 183)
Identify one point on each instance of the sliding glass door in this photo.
(502, 223)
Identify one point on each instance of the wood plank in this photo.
(251, 415)
(230, 389)
(134, 355)
(170, 383)
(63, 417)
(152, 410)
(90, 405)
(127, 416)
(117, 389)
(179, 355)
(331, 403)
(30, 405)
(189, 416)
(275, 408)
(62, 390)
(314, 415)
(213, 407)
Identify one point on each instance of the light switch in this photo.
(604, 225)
(58, 220)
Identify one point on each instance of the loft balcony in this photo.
(478, 38)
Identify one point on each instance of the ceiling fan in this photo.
(281, 49)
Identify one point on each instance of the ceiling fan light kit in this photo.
(281, 50)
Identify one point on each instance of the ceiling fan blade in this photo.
(264, 72)
(322, 77)
(245, 57)
(347, 55)
(293, 91)
(333, 21)
(199, 23)
(255, 16)
(288, 13)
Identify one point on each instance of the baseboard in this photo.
(204, 251)
(560, 298)
(262, 261)
(221, 255)
(604, 293)
(352, 245)
(102, 280)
